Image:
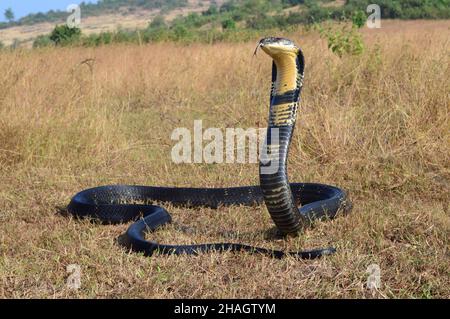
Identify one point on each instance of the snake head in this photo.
(277, 46)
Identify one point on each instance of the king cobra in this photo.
(117, 204)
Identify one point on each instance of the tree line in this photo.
(237, 20)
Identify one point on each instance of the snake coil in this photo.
(317, 201)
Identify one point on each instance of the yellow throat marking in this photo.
(287, 80)
(287, 72)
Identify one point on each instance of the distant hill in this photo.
(106, 15)
(199, 19)
(102, 7)
(406, 9)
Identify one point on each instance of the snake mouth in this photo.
(274, 46)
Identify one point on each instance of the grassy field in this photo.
(377, 125)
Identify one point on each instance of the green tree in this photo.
(359, 18)
(64, 35)
(228, 24)
(9, 15)
(180, 32)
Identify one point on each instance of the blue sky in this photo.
(23, 7)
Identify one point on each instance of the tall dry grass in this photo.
(376, 124)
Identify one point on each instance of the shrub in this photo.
(158, 22)
(229, 24)
(43, 41)
(359, 18)
(344, 40)
(316, 13)
(180, 32)
(64, 35)
(212, 10)
(156, 35)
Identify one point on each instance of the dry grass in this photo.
(377, 125)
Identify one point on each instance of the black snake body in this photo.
(110, 204)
